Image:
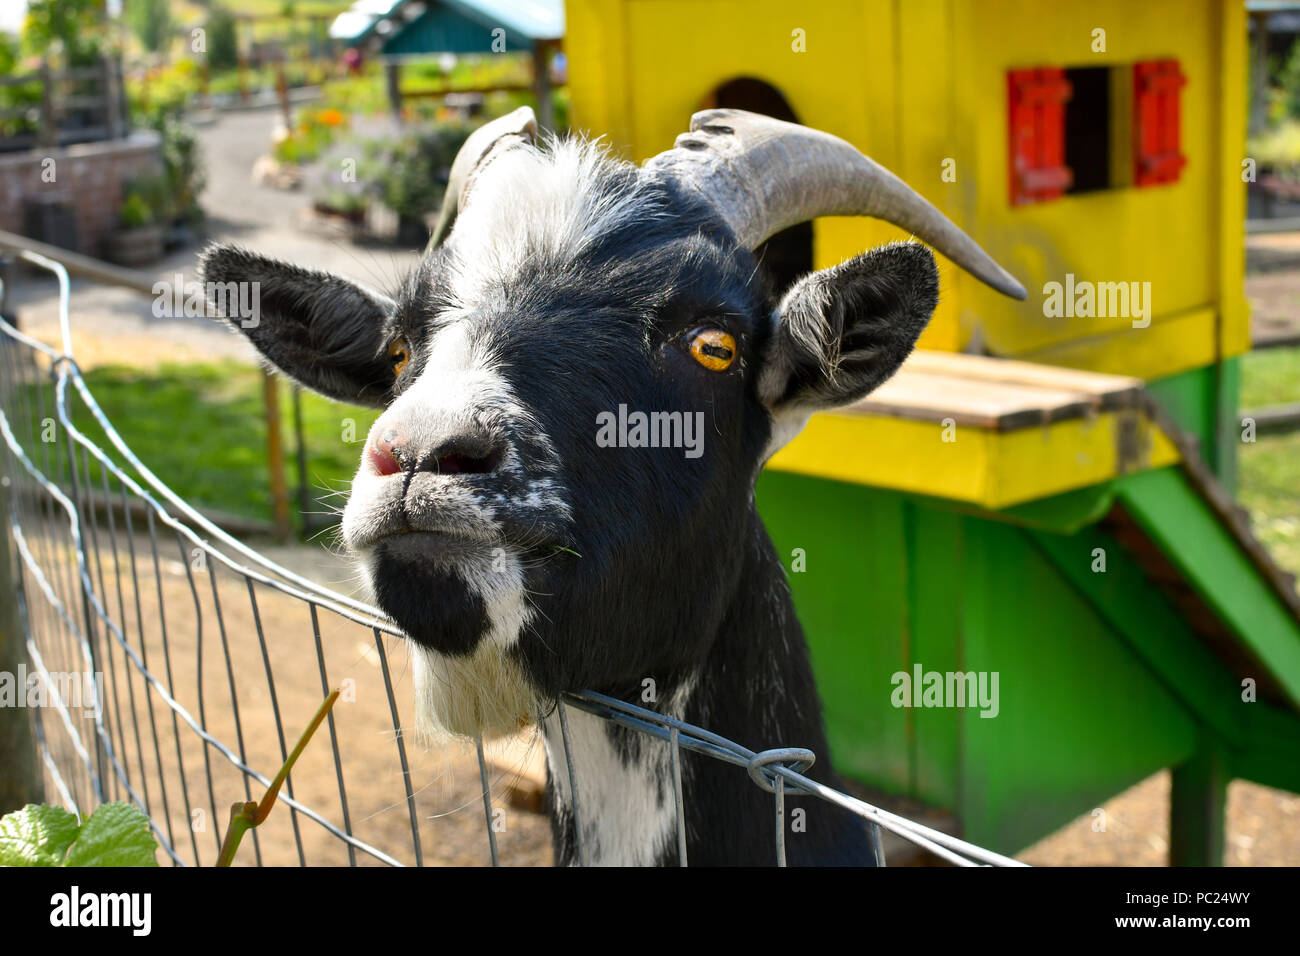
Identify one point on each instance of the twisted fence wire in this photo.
(180, 737)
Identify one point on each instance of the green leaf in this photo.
(116, 834)
(36, 835)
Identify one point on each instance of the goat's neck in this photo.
(756, 688)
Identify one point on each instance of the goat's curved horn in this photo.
(513, 129)
(765, 175)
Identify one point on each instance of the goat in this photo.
(525, 558)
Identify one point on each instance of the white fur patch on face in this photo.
(778, 366)
(483, 694)
(787, 423)
(459, 381)
(531, 202)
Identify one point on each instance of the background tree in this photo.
(1288, 80)
(151, 22)
(71, 30)
(223, 41)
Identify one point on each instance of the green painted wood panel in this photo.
(1272, 753)
(1151, 627)
(1101, 682)
(1203, 401)
(1189, 398)
(1190, 534)
(935, 553)
(1228, 426)
(851, 601)
(1080, 718)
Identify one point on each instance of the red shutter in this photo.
(1157, 154)
(1036, 119)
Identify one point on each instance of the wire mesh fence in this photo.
(175, 666)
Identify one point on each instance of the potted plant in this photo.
(138, 240)
(340, 191)
(415, 177)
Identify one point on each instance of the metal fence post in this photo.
(300, 453)
(275, 457)
(20, 777)
(1198, 799)
(21, 782)
(108, 95)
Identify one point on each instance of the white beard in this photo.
(483, 693)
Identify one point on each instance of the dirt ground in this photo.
(1263, 830)
(1273, 284)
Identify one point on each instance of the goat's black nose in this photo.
(472, 452)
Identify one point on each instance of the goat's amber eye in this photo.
(713, 348)
(400, 353)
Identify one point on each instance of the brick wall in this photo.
(89, 177)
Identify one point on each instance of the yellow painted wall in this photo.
(913, 82)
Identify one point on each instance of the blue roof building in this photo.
(405, 29)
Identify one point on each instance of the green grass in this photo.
(1270, 377)
(1269, 483)
(301, 8)
(1269, 468)
(202, 430)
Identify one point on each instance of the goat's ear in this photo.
(324, 332)
(842, 331)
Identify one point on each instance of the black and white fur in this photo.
(566, 289)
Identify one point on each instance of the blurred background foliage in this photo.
(1276, 145)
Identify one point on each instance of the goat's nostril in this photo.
(462, 465)
(472, 452)
(466, 455)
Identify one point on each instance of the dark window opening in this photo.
(1091, 128)
(1088, 129)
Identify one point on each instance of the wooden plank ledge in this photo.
(984, 431)
(995, 393)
